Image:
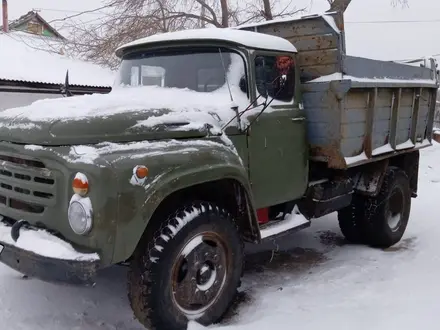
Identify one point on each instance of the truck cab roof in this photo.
(234, 36)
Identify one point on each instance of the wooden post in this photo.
(339, 5)
(5, 15)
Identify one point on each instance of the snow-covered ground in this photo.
(318, 283)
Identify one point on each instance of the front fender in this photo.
(172, 165)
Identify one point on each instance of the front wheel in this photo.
(190, 270)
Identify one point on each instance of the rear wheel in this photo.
(190, 270)
(379, 221)
(387, 214)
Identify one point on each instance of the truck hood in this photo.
(130, 126)
(132, 114)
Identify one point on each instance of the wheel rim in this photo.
(395, 207)
(199, 274)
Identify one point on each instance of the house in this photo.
(34, 65)
(33, 23)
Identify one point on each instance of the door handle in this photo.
(298, 119)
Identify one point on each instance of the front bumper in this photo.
(39, 254)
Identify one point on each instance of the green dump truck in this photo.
(212, 138)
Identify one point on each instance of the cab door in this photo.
(277, 145)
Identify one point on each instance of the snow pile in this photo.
(26, 57)
(42, 243)
(188, 120)
(123, 100)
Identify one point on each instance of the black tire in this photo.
(163, 279)
(352, 222)
(387, 214)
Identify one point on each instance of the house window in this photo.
(35, 28)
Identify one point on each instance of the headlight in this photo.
(80, 215)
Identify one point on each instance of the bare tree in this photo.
(225, 13)
(338, 5)
(267, 10)
(126, 20)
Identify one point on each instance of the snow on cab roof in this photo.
(29, 58)
(244, 38)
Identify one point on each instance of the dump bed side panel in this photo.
(384, 108)
(377, 121)
(319, 41)
(351, 126)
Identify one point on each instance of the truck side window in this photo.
(275, 76)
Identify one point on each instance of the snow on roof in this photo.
(31, 58)
(244, 38)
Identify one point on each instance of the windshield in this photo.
(198, 69)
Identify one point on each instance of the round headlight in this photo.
(80, 219)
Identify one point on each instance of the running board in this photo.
(283, 227)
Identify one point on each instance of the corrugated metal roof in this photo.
(30, 58)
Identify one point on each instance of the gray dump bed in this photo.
(358, 109)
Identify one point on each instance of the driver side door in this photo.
(277, 145)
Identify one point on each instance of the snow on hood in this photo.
(184, 104)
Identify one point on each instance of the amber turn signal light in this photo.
(141, 172)
(80, 184)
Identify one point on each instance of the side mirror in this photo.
(261, 76)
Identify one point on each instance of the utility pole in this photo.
(202, 22)
(338, 5)
(267, 10)
(225, 13)
(5, 15)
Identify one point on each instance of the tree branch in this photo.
(208, 8)
(127, 20)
